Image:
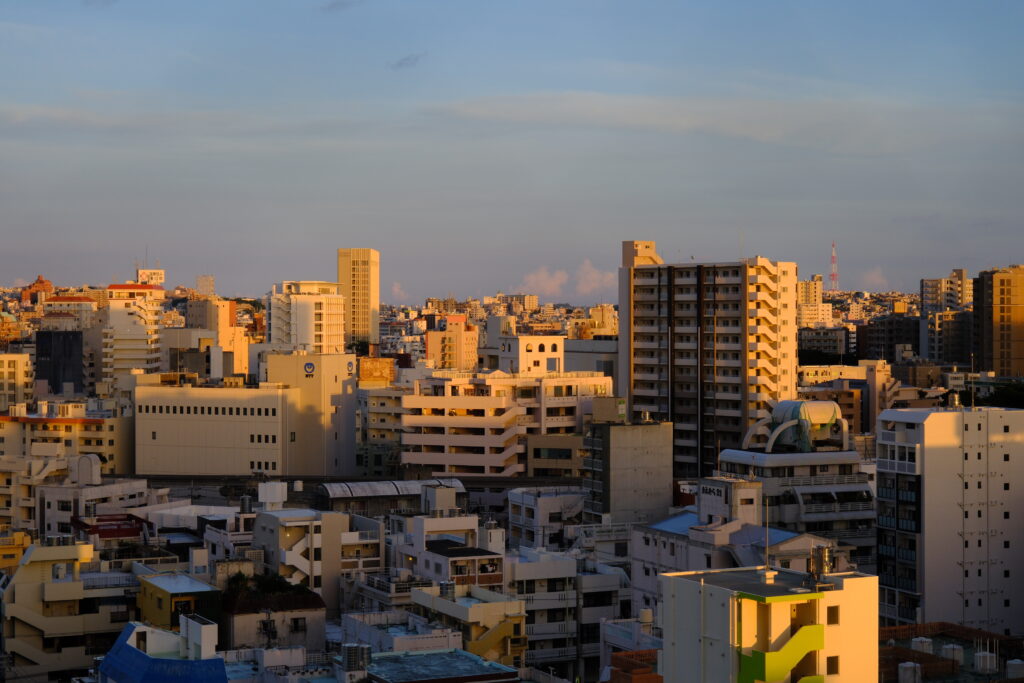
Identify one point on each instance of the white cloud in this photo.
(20, 282)
(875, 280)
(398, 294)
(591, 280)
(544, 282)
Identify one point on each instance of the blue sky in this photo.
(484, 146)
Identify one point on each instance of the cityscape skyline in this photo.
(544, 133)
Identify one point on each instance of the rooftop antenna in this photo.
(833, 277)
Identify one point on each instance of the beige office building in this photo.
(359, 277)
(706, 346)
(300, 423)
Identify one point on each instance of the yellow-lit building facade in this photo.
(750, 625)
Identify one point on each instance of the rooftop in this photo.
(405, 667)
(177, 583)
(448, 548)
(749, 580)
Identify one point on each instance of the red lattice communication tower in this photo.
(833, 277)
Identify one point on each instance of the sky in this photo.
(485, 146)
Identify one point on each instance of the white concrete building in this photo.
(359, 277)
(537, 516)
(705, 346)
(307, 316)
(725, 530)
(950, 539)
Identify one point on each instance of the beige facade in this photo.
(476, 424)
(301, 423)
(705, 346)
(950, 541)
(307, 316)
(16, 379)
(57, 616)
(126, 334)
(454, 347)
(69, 428)
(810, 310)
(359, 277)
(627, 472)
(945, 293)
(753, 625)
(218, 316)
(319, 549)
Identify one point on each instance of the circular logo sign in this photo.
(350, 366)
(309, 368)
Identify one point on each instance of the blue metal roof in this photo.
(680, 524)
(127, 664)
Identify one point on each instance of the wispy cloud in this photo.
(409, 61)
(837, 125)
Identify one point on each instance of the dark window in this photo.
(833, 614)
(832, 666)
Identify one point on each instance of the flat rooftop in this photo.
(404, 667)
(749, 580)
(449, 548)
(177, 583)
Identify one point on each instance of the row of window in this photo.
(238, 411)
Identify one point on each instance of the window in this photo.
(299, 624)
(1006, 429)
(832, 666)
(1006, 486)
(833, 614)
(153, 437)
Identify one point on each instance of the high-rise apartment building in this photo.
(955, 292)
(307, 316)
(359, 276)
(950, 540)
(705, 346)
(126, 334)
(999, 321)
(810, 310)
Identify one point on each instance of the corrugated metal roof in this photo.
(376, 489)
